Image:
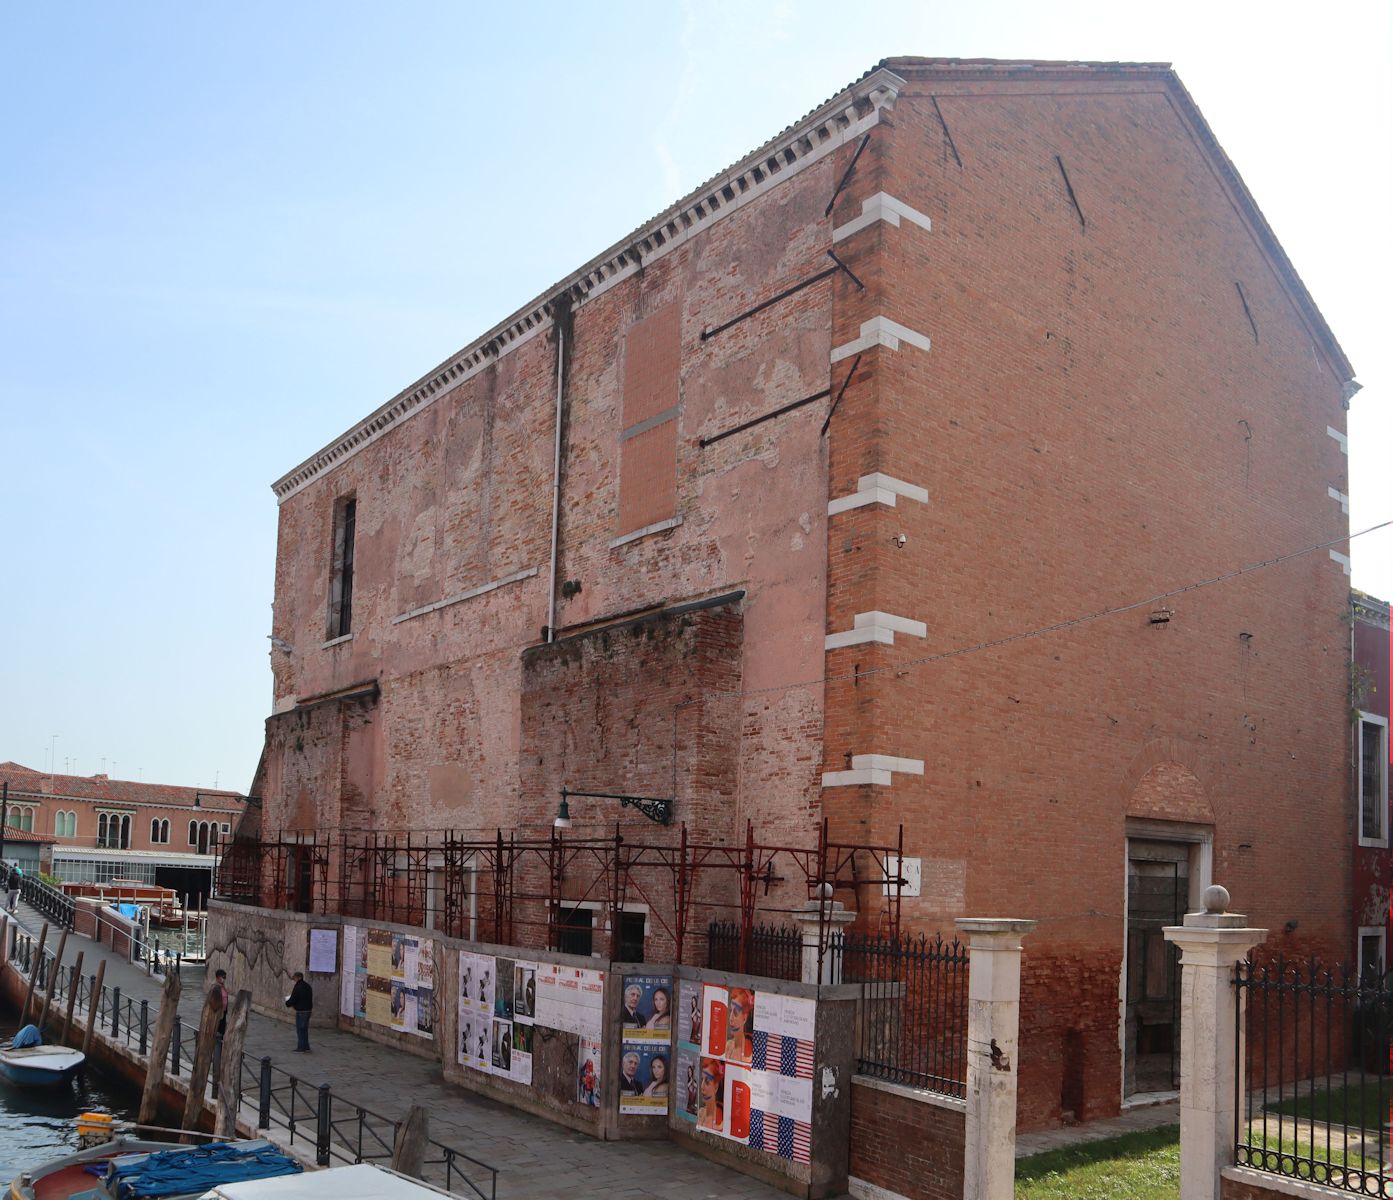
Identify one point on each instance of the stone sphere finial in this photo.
(823, 891)
(1216, 899)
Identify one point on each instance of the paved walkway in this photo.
(535, 1158)
(1133, 1120)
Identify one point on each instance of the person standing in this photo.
(14, 875)
(301, 999)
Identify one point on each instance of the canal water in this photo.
(37, 1124)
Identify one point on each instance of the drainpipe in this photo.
(559, 314)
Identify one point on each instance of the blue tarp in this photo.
(130, 911)
(28, 1036)
(197, 1169)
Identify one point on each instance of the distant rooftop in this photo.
(28, 781)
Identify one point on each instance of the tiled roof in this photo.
(23, 835)
(115, 791)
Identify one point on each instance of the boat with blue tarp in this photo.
(28, 1062)
(128, 1168)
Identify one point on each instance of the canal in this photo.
(37, 1124)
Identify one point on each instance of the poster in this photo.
(588, 1063)
(399, 980)
(755, 1074)
(502, 1057)
(324, 951)
(570, 999)
(477, 975)
(644, 1078)
(521, 1071)
(348, 981)
(689, 1014)
(687, 1083)
(645, 1012)
(524, 991)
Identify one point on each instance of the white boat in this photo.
(39, 1066)
(361, 1182)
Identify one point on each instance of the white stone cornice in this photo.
(844, 118)
(1339, 438)
(875, 627)
(876, 769)
(877, 488)
(881, 331)
(881, 207)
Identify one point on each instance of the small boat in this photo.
(27, 1062)
(130, 1166)
(362, 1182)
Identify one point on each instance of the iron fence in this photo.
(774, 953)
(49, 901)
(340, 1129)
(913, 1025)
(1313, 1084)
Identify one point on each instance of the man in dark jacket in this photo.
(301, 999)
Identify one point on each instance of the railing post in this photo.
(115, 1012)
(322, 1129)
(1211, 944)
(993, 1058)
(144, 1027)
(263, 1112)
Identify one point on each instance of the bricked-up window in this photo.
(648, 437)
(341, 576)
(1373, 779)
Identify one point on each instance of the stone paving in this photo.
(535, 1158)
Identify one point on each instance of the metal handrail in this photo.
(47, 900)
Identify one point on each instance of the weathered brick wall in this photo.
(906, 1146)
(1082, 425)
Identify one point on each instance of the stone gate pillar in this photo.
(993, 1043)
(1211, 944)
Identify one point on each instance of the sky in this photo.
(227, 233)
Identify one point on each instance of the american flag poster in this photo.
(781, 1122)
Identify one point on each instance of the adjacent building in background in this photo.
(835, 493)
(103, 829)
(1373, 858)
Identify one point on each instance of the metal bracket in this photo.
(655, 808)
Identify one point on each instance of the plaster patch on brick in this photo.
(881, 207)
(492, 585)
(881, 331)
(1339, 437)
(1340, 498)
(656, 527)
(1342, 559)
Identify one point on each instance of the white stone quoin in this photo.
(1211, 944)
(993, 1058)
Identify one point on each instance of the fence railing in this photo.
(774, 953)
(342, 1130)
(913, 1027)
(49, 901)
(1318, 1091)
(337, 1127)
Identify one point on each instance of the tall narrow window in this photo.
(341, 578)
(1373, 779)
(648, 436)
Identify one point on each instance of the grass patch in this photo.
(1133, 1166)
(1357, 1106)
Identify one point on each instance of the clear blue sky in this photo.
(228, 232)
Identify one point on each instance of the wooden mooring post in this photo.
(92, 1004)
(409, 1153)
(230, 1077)
(202, 1061)
(35, 966)
(159, 1050)
(52, 979)
(74, 982)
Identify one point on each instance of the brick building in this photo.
(1373, 860)
(792, 506)
(103, 828)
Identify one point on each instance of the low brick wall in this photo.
(905, 1143)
